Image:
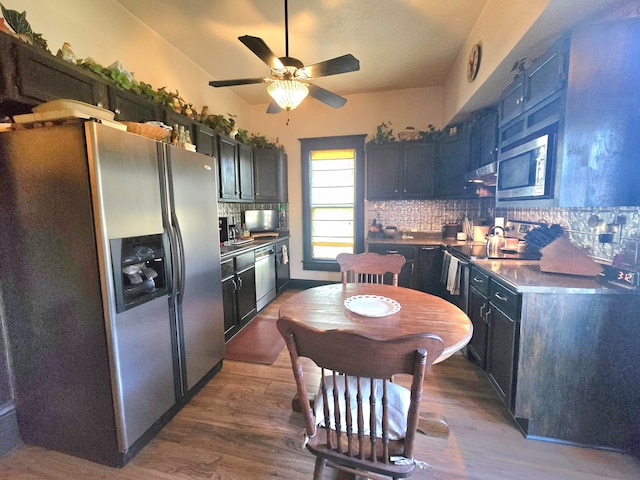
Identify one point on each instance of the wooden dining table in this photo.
(324, 308)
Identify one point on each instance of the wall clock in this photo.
(474, 62)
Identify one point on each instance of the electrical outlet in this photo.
(615, 230)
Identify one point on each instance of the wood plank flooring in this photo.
(240, 426)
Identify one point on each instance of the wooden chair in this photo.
(369, 267)
(361, 438)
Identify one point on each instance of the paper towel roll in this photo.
(480, 233)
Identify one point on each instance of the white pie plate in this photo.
(372, 305)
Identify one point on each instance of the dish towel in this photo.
(453, 277)
(285, 255)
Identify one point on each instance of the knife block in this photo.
(562, 256)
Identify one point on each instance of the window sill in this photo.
(321, 265)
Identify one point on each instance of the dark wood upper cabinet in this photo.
(245, 171)
(383, 171)
(39, 77)
(229, 181)
(270, 175)
(130, 107)
(235, 161)
(484, 138)
(453, 162)
(400, 170)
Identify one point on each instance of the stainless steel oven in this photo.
(526, 171)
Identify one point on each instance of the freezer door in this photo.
(198, 298)
(127, 191)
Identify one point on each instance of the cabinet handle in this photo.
(100, 104)
(116, 111)
(500, 297)
(240, 281)
(484, 305)
(235, 285)
(429, 249)
(478, 280)
(392, 251)
(486, 315)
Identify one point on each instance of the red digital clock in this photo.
(622, 276)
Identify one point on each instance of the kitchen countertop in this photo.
(525, 276)
(228, 251)
(419, 238)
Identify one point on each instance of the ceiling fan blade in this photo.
(343, 64)
(237, 81)
(257, 46)
(273, 107)
(325, 96)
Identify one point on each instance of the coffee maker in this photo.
(223, 227)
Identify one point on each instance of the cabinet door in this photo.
(545, 76)
(408, 275)
(283, 273)
(488, 139)
(283, 178)
(228, 169)
(41, 77)
(478, 309)
(430, 269)
(231, 324)
(246, 295)
(205, 139)
(130, 107)
(512, 101)
(501, 353)
(383, 172)
(245, 171)
(265, 173)
(452, 163)
(419, 170)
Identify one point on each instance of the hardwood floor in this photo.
(240, 426)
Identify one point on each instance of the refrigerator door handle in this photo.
(180, 260)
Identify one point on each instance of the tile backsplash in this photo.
(226, 209)
(577, 222)
(431, 215)
(427, 215)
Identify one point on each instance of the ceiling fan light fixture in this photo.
(288, 94)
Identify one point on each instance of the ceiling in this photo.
(400, 43)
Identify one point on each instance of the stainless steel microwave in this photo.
(526, 171)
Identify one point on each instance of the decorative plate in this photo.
(372, 305)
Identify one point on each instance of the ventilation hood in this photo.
(486, 175)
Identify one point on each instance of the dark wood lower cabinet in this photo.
(238, 293)
(478, 308)
(563, 362)
(501, 353)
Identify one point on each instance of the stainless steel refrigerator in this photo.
(110, 274)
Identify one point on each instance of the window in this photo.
(333, 199)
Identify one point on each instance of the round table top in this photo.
(323, 308)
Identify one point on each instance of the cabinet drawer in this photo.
(505, 299)
(409, 253)
(245, 261)
(480, 281)
(227, 269)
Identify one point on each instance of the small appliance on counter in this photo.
(262, 223)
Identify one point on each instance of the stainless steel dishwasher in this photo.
(265, 276)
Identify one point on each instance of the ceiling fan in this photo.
(289, 81)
